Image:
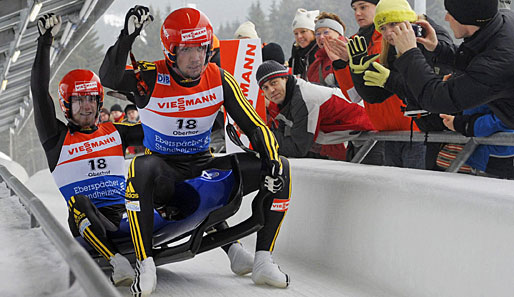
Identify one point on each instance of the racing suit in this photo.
(87, 164)
(177, 116)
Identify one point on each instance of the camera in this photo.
(418, 30)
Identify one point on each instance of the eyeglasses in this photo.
(82, 99)
(324, 33)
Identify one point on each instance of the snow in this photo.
(13, 167)
(114, 20)
(351, 230)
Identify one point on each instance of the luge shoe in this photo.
(241, 260)
(122, 271)
(266, 272)
(146, 278)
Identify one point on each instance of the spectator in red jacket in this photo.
(312, 118)
(328, 26)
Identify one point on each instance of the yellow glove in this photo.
(358, 54)
(376, 78)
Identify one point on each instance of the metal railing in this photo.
(86, 272)
(370, 138)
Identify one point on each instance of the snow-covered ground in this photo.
(351, 230)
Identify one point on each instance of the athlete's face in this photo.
(83, 110)
(275, 89)
(190, 60)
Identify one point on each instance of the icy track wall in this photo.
(405, 232)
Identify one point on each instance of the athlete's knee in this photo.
(80, 203)
(164, 189)
(83, 213)
(285, 166)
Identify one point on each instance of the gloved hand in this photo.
(376, 76)
(51, 22)
(358, 51)
(274, 181)
(136, 19)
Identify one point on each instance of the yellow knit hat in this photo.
(393, 11)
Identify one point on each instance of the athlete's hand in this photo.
(137, 19)
(274, 181)
(49, 22)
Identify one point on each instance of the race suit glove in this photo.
(376, 75)
(274, 181)
(49, 22)
(358, 54)
(136, 19)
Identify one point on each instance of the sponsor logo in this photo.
(94, 145)
(163, 79)
(181, 103)
(82, 86)
(132, 205)
(280, 205)
(83, 225)
(196, 34)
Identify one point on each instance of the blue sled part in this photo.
(202, 195)
(206, 193)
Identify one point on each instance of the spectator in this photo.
(131, 114)
(305, 46)
(215, 58)
(117, 113)
(482, 65)
(378, 83)
(273, 51)
(386, 115)
(488, 160)
(104, 115)
(328, 26)
(311, 116)
(246, 31)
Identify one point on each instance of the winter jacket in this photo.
(487, 61)
(312, 113)
(481, 122)
(320, 71)
(386, 115)
(396, 84)
(301, 58)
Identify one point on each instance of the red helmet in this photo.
(79, 82)
(185, 27)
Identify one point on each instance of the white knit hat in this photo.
(246, 30)
(305, 19)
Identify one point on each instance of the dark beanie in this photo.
(116, 107)
(273, 51)
(130, 107)
(375, 2)
(269, 70)
(104, 110)
(472, 12)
